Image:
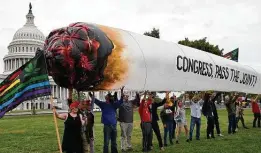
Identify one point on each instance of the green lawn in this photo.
(36, 134)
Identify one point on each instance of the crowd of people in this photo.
(79, 134)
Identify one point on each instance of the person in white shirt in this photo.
(195, 108)
(181, 120)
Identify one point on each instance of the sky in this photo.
(228, 23)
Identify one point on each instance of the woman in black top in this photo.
(72, 140)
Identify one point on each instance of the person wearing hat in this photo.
(109, 120)
(72, 137)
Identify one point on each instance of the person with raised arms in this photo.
(230, 102)
(167, 119)
(126, 120)
(87, 135)
(240, 112)
(256, 111)
(155, 118)
(181, 120)
(73, 122)
(209, 111)
(195, 108)
(109, 120)
(145, 116)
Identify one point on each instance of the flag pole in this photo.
(56, 126)
(52, 104)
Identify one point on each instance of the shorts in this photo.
(182, 124)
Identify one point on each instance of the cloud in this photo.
(229, 24)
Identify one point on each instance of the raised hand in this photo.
(91, 94)
(122, 88)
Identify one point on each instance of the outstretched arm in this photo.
(256, 98)
(62, 116)
(136, 101)
(118, 103)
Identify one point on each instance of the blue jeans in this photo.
(195, 121)
(168, 130)
(110, 133)
(232, 123)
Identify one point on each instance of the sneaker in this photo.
(187, 140)
(246, 127)
(162, 149)
(177, 142)
(220, 135)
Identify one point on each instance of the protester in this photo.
(155, 118)
(167, 120)
(216, 118)
(256, 111)
(231, 110)
(195, 108)
(72, 137)
(126, 121)
(87, 136)
(181, 121)
(240, 113)
(208, 111)
(173, 99)
(109, 120)
(146, 126)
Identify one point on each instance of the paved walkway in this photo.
(37, 112)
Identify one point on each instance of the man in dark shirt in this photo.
(155, 118)
(126, 120)
(173, 99)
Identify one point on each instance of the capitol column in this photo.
(20, 62)
(56, 94)
(52, 90)
(15, 64)
(61, 92)
(8, 65)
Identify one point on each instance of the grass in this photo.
(36, 134)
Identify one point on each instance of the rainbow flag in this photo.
(28, 82)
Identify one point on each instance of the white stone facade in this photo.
(25, 42)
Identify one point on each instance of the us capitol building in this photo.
(25, 42)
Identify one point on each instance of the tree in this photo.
(153, 33)
(202, 44)
(75, 96)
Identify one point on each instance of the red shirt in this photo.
(255, 108)
(145, 114)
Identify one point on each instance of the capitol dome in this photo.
(25, 42)
(28, 32)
